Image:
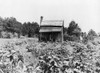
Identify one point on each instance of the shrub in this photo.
(71, 38)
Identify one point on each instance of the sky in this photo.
(84, 12)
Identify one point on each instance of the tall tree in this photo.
(74, 29)
(13, 25)
(30, 29)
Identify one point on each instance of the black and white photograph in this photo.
(49, 36)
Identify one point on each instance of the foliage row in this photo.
(12, 25)
(71, 33)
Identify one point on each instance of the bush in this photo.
(91, 35)
(71, 38)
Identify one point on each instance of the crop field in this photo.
(30, 56)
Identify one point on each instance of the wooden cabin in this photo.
(51, 30)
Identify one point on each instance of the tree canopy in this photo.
(12, 25)
(74, 29)
(92, 33)
(30, 29)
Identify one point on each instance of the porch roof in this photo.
(50, 29)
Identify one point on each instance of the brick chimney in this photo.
(41, 19)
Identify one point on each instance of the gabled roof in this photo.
(52, 23)
(51, 26)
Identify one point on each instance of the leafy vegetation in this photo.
(12, 25)
(74, 29)
(30, 29)
(73, 32)
(29, 55)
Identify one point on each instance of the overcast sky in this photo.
(84, 12)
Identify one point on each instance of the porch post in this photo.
(40, 37)
(62, 32)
